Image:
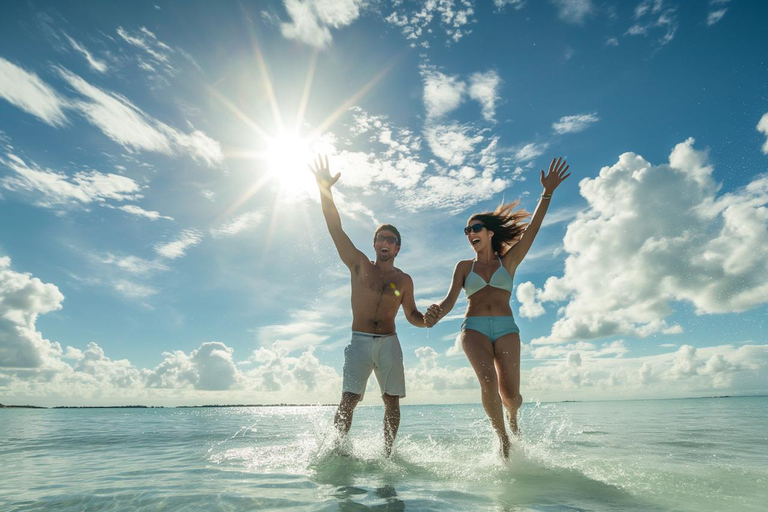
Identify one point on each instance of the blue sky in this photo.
(162, 241)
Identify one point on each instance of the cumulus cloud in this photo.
(653, 235)
(311, 20)
(442, 383)
(442, 93)
(687, 371)
(22, 299)
(103, 370)
(573, 11)
(277, 372)
(445, 93)
(452, 143)
(466, 184)
(484, 87)
(762, 127)
(178, 248)
(129, 126)
(50, 189)
(28, 92)
(574, 124)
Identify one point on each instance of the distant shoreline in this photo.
(3, 406)
(211, 406)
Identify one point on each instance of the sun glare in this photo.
(287, 158)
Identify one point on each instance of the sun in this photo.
(287, 157)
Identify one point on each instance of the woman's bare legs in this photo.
(506, 351)
(480, 353)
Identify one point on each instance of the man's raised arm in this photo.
(349, 254)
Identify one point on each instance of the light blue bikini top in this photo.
(500, 279)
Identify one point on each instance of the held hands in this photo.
(432, 315)
(322, 172)
(555, 176)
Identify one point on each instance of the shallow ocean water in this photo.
(683, 455)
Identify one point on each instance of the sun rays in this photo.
(282, 152)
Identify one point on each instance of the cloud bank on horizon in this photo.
(139, 170)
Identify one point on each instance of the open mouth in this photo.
(475, 241)
(384, 250)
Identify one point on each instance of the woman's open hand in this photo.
(555, 176)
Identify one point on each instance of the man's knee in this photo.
(349, 400)
(391, 402)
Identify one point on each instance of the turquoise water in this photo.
(683, 455)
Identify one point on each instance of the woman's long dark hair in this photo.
(506, 223)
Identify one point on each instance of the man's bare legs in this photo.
(479, 351)
(507, 358)
(343, 418)
(391, 421)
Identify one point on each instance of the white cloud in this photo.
(210, 367)
(515, 4)
(132, 290)
(484, 87)
(642, 245)
(141, 212)
(96, 64)
(304, 376)
(154, 56)
(574, 124)
(52, 189)
(133, 264)
(26, 91)
(688, 371)
(716, 11)
(651, 15)
(129, 126)
(573, 11)
(305, 329)
(762, 127)
(530, 151)
(452, 143)
(715, 16)
(178, 248)
(453, 16)
(22, 299)
(243, 222)
(311, 20)
(526, 296)
(102, 370)
(442, 93)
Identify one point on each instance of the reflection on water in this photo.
(628, 456)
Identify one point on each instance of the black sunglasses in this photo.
(474, 228)
(385, 238)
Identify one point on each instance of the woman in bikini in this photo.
(489, 336)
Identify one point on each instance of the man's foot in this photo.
(504, 446)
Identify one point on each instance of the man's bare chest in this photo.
(386, 286)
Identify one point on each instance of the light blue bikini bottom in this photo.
(492, 326)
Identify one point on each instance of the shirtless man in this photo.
(378, 290)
